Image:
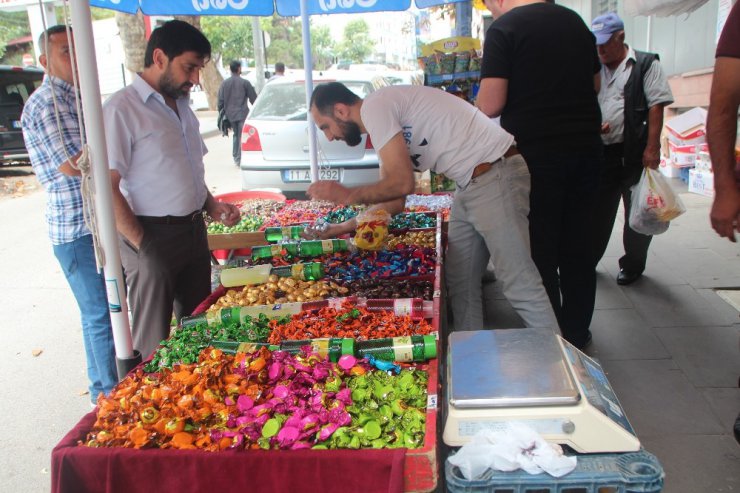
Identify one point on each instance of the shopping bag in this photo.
(654, 204)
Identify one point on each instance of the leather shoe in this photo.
(626, 277)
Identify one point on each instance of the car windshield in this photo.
(287, 101)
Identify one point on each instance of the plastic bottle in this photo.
(276, 250)
(242, 276)
(332, 347)
(311, 271)
(401, 349)
(284, 233)
(239, 313)
(316, 248)
(413, 307)
(233, 347)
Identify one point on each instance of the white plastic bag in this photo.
(654, 204)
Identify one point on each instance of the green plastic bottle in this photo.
(311, 271)
(316, 248)
(333, 347)
(284, 233)
(401, 349)
(233, 347)
(276, 250)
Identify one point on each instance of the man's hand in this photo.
(329, 190)
(651, 157)
(228, 214)
(605, 128)
(725, 214)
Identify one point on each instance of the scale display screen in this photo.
(595, 386)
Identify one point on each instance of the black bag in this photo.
(223, 123)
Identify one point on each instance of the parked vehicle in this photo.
(16, 84)
(275, 139)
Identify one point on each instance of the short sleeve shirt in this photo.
(158, 154)
(548, 56)
(443, 133)
(52, 136)
(729, 40)
(611, 95)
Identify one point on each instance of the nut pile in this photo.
(279, 290)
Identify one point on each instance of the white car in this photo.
(275, 139)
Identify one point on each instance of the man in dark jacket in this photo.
(232, 99)
(633, 93)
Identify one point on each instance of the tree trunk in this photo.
(210, 77)
(133, 37)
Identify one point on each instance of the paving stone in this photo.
(624, 335)
(659, 399)
(725, 403)
(708, 356)
(674, 306)
(696, 463)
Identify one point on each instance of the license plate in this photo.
(304, 175)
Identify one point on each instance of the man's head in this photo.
(174, 55)
(609, 32)
(331, 109)
(235, 66)
(55, 53)
(280, 68)
(500, 7)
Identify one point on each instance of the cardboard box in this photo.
(701, 182)
(682, 155)
(687, 128)
(667, 168)
(703, 161)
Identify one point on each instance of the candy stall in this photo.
(311, 367)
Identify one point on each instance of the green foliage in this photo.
(12, 25)
(356, 45)
(230, 37)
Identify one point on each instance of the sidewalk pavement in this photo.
(208, 119)
(669, 346)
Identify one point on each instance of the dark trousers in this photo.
(614, 185)
(236, 144)
(170, 271)
(561, 203)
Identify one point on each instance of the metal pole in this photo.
(259, 53)
(126, 357)
(307, 67)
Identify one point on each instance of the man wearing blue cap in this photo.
(633, 93)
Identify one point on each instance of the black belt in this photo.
(188, 219)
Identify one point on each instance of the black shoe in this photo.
(626, 277)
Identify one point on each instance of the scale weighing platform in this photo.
(535, 377)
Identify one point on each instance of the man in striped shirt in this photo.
(52, 133)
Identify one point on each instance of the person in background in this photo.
(540, 73)
(155, 152)
(279, 71)
(488, 218)
(232, 100)
(53, 139)
(724, 100)
(634, 91)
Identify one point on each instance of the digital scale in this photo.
(535, 377)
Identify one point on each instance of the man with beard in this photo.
(422, 128)
(155, 153)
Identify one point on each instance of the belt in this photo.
(484, 167)
(188, 219)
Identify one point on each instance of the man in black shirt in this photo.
(232, 98)
(540, 73)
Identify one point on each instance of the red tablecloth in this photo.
(119, 470)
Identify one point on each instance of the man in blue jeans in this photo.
(52, 135)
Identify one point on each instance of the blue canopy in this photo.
(286, 8)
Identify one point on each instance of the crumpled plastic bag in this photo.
(654, 204)
(517, 447)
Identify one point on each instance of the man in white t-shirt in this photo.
(417, 128)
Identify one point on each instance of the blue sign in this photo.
(288, 8)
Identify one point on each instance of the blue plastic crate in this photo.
(638, 472)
